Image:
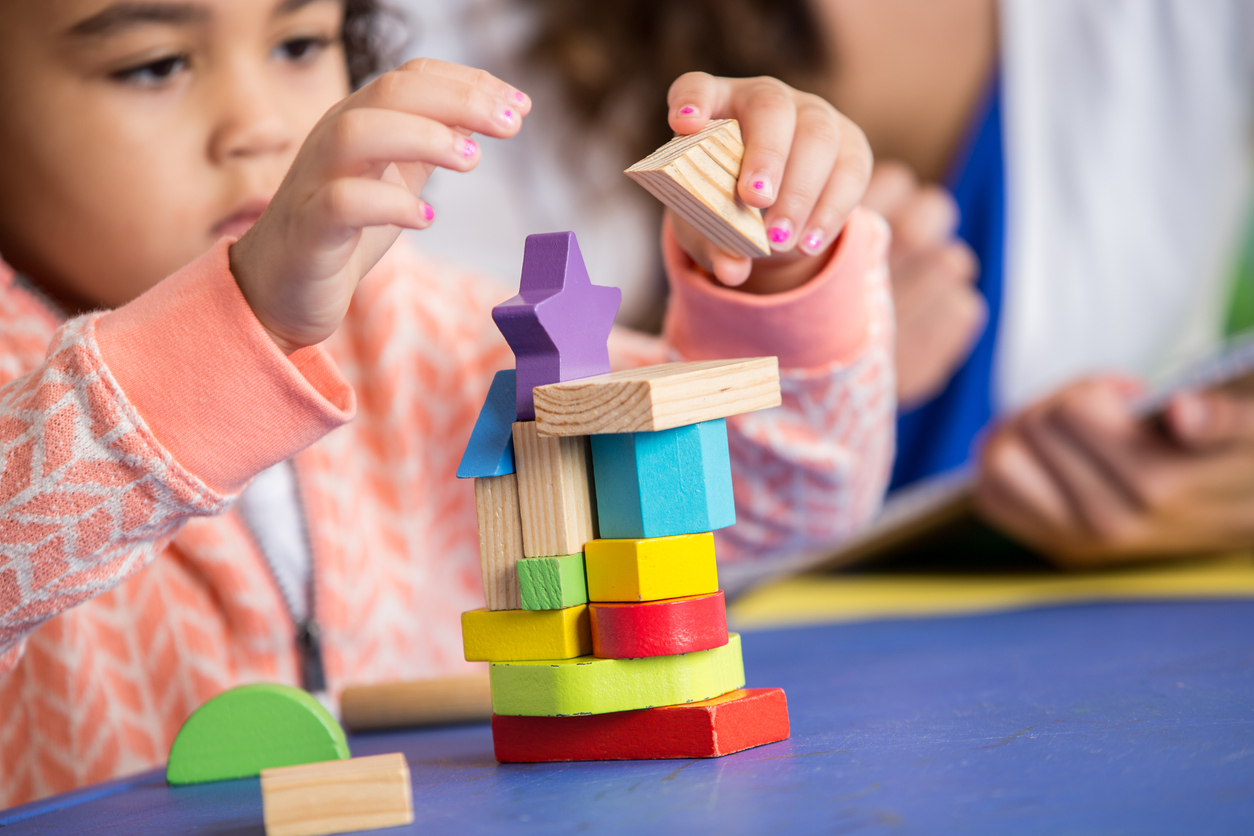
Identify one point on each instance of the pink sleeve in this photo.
(137, 420)
(809, 474)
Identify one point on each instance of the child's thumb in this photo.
(1211, 419)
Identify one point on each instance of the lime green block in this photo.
(588, 685)
(244, 730)
(552, 583)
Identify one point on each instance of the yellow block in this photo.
(651, 569)
(522, 635)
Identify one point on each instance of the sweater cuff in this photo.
(822, 322)
(212, 386)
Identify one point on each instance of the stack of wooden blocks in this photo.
(598, 495)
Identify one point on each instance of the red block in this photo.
(658, 628)
(707, 729)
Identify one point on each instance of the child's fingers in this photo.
(694, 99)
(768, 122)
(470, 75)
(891, 186)
(730, 270)
(362, 141)
(928, 218)
(815, 149)
(844, 189)
(482, 104)
(345, 206)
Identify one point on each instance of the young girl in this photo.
(153, 361)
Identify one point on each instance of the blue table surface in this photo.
(1102, 719)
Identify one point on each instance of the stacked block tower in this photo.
(598, 494)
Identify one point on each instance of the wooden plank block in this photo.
(657, 397)
(651, 569)
(337, 797)
(490, 451)
(696, 176)
(588, 685)
(731, 723)
(554, 492)
(665, 483)
(552, 583)
(247, 729)
(658, 628)
(508, 635)
(500, 539)
(427, 702)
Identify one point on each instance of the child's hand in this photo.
(355, 184)
(805, 164)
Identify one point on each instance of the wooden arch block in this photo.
(658, 628)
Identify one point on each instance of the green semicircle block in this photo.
(247, 729)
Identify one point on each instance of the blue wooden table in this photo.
(1100, 719)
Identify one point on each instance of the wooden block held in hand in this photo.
(731, 723)
(696, 176)
(658, 397)
(658, 628)
(316, 799)
(651, 569)
(507, 635)
(427, 702)
(554, 492)
(552, 583)
(500, 539)
(587, 685)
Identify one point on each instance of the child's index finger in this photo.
(768, 121)
(482, 79)
(696, 98)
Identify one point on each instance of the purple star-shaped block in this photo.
(559, 322)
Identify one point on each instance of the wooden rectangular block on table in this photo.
(424, 702)
(552, 583)
(500, 539)
(696, 176)
(651, 569)
(658, 628)
(508, 635)
(314, 799)
(554, 492)
(658, 397)
(588, 685)
(664, 483)
(712, 728)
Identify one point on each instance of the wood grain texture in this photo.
(588, 685)
(554, 492)
(696, 177)
(427, 702)
(731, 723)
(500, 539)
(338, 796)
(651, 569)
(515, 635)
(658, 628)
(657, 397)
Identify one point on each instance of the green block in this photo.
(552, 583)
(588, 685)
(244, 730)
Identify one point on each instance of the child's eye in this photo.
(154, 73)
(301, 49)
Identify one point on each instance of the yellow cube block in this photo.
(651, 569)
(521, 635)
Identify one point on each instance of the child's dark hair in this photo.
(373, 34)
(611, 51)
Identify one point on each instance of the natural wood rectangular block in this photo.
(696, 177)
(315, 799)
(657, 397)
(422, 702)
(554, 492)
(500, 539)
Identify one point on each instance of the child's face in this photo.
(135, 134)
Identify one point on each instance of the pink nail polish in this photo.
(687, 111)
(779, 234)
(759, 184)
(428, 212)
(506, 116)
(469, 148)
(814, 242)
(519, 97)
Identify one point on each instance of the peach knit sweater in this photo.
(131, 592)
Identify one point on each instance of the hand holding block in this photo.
(696, 177)
(651, 569)
(500, 539)
(552, 583)
(708, 729)
(554, 492)
(490, 451)
(507, 635)
(659, 397)
(317, 799)
(596, 686)
(658, 628)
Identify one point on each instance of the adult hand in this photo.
(354, 185)
(940, 314)
(805, 164)
(1081, 478)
